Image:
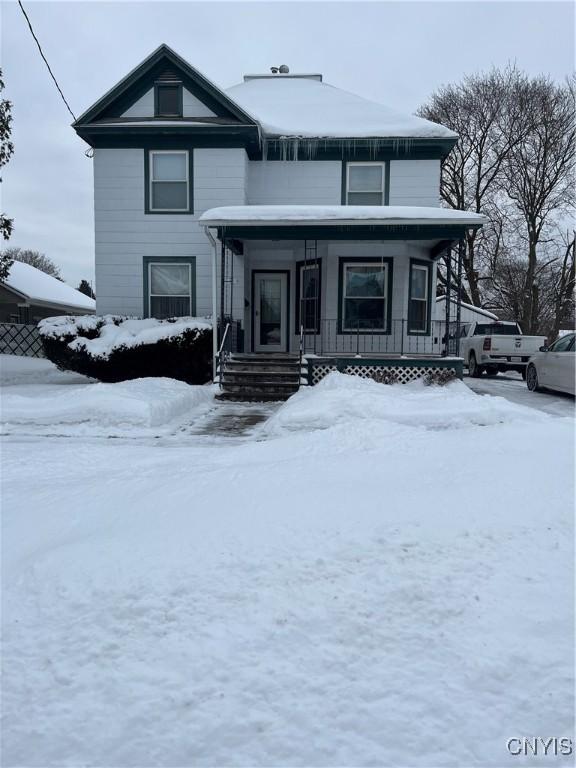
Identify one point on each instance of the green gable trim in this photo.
(429, 266)
(185, 136)
(358, 232)
(371, 260)
(143, 77)
(147, 260)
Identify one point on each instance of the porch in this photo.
(337, 285)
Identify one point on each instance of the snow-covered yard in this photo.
(375, 576)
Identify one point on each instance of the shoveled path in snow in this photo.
(230, 420)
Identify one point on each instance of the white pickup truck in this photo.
(496, 346)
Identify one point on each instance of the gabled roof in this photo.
(305, 107)
(272, 115)
(39, 288)
(142, 78)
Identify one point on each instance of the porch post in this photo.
(448, 297)
(222, 269)
(459, 294)
(214, 302)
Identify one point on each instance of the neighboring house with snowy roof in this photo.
(27, 295)
(296, 212)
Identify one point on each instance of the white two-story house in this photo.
(295, 213)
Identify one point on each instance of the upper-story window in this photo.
(365, 184)
(169, 181)
(168, 100)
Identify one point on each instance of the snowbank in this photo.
(40, 287)
(19, 370)
(117, 332)
(343, 399)
(149, 402)
(338, 597)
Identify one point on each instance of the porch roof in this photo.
(363, 222)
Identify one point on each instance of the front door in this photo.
(270, 318)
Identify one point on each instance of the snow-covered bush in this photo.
(115, 348)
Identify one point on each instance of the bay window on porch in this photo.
(365, 291)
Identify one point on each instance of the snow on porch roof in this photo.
(298, 215)
(37, 286)
(290, 106)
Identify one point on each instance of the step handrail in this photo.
(301, 349)
(222, 355)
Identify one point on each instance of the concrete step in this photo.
(260, 386)
(263, 356)
(273, 370)
(270, 376)
(249, 396)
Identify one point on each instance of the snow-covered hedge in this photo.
(115, 348)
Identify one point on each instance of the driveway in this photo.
(513, 388)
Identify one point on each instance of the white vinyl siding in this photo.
(414, 182)
(298, 182)
(124, 233)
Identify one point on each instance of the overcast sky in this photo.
(393, 52)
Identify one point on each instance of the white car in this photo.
(554, 367)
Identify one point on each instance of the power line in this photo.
(46, 60)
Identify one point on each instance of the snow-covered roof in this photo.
(306, 107)
(337, 214)
(38, 287)
(471, 307)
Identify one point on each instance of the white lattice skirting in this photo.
(383, 372)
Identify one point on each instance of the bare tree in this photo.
(35, 259)
(489, 123)
(539, 174)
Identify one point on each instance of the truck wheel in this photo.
(492, 370)
(473, 368)
(532, 378)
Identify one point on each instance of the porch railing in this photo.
(331, 339)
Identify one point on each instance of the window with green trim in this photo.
(169, 181)
(169, 286)
(364, 296)
(365, 183)
(308, 296)
(419, 301)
